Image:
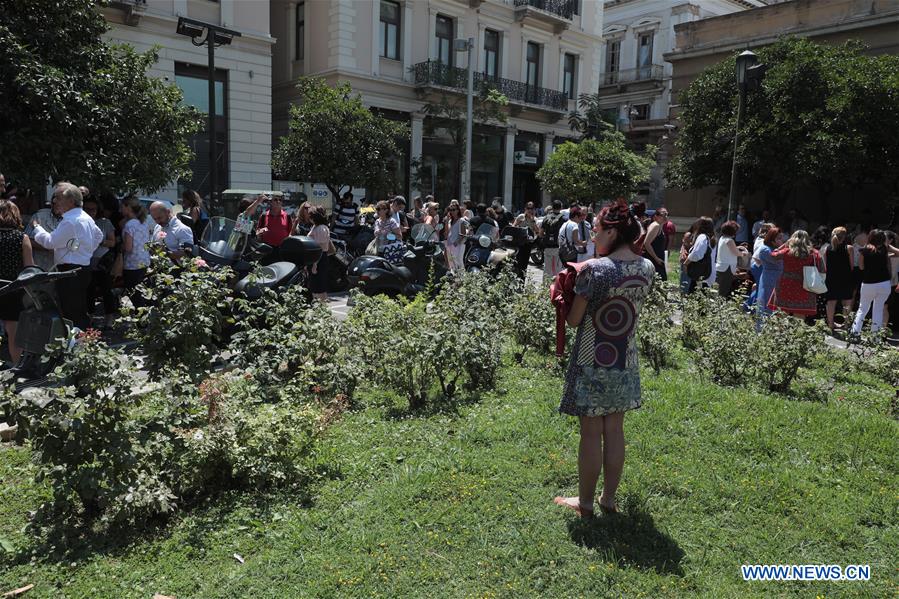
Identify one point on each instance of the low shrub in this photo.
(784, 345)
(725, 336)
(189, 311)
(532, 319)
(395, 344)
(297, 351)
(657, 334)
(88, 447)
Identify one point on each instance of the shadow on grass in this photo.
(630, 538)
(197, 522)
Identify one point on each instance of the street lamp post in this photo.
(461, 45)
(213, 36)
(748, 73)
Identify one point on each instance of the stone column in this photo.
(509, 166)
(417, 122)
(548, 140)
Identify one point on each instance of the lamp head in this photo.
(190, 28)
(745, 60)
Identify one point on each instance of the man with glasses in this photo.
(73, 242)
(171, 232)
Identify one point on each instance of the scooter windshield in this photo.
(422, 233)
(488, 230)
(221, 239)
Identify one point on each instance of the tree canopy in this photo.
(824, 116)
(335, 140)
(594, 170)
(75, 106)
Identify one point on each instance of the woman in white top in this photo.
(726, 258)
(135, 256)
(702, 245)
(455, 227)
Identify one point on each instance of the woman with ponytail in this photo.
(603, 378)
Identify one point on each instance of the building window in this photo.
(390, 30)
(491, 53)
(194, 84)
(445, 40)
(640, 112)
(569, 71)
(301, 29)
(532, 70)
(644, 54)
(613, 56)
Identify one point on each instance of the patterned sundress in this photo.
(603, 374)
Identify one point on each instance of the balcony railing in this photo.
(653, 72)
(562, 8)
(433, 73)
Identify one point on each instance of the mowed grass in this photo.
(459, 504)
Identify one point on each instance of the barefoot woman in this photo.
(603, 379)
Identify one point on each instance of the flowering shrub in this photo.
(190, 309)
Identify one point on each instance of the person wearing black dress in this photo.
(839, 261)
(15, 254)
(656, 241)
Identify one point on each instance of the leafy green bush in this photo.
(469, 315)
(656, 332)
(183, 326)
(246, 443)
(725, 334)
(532, 319)
(394, 343)
(298, 351)
(86, 445)
(696, 308)
(784, 344)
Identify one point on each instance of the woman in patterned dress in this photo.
(603, 378)
(790, 295)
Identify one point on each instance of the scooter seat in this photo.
(267, 276)
(403, 272)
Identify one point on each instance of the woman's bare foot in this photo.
(606, 506)
(574, 503)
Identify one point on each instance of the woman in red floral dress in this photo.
(790, 296)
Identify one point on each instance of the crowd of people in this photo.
(775, 268)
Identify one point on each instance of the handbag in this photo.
(701, 269)
(813, 279)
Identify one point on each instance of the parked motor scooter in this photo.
(482, 250)
(424, 258)
(223, 245)
(41, 320)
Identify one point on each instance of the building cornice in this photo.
(756, 41)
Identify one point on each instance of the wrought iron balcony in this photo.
(436, 74)
(561, 8)
(653, 72)
(558, 13)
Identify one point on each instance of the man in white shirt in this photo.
(73, 242)
(170, 231)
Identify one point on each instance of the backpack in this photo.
(551, 226)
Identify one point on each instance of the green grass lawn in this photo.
(459, 504)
